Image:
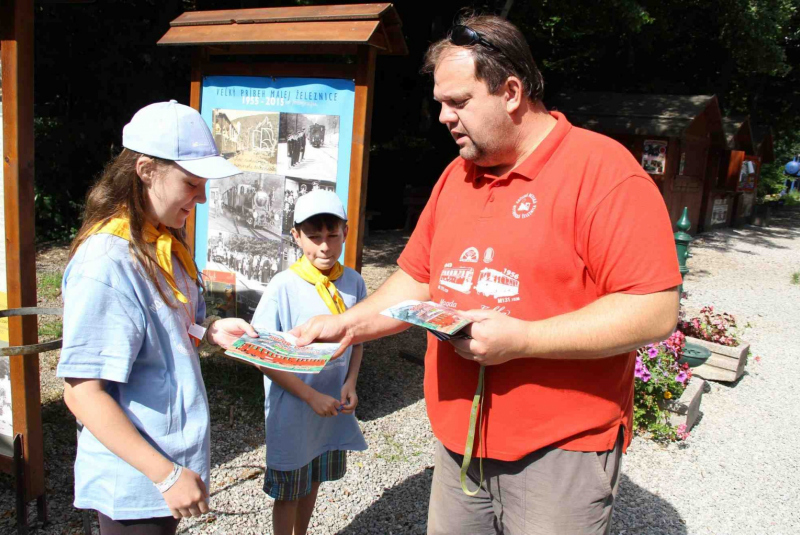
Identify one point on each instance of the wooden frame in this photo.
(16, 32)
(362, 31)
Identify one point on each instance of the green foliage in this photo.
(739, 50)
(796, 277)
(792, 199)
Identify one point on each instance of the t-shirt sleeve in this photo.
(103, 331)
(416, 257)
(267, 315)
(627, 242)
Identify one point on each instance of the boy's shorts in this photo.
(294, 484)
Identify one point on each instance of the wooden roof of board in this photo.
(377, 25)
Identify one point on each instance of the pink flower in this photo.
(682, 377)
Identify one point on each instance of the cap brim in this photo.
(321, 212)
(210, 168)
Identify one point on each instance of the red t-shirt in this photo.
(577, 220)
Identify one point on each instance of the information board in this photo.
(289, 136)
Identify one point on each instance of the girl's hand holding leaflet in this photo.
(188, 496)
(225, 332)
(323, 405)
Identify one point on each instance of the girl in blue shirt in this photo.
(133, 306)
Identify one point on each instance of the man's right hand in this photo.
(188, 496)
(326, 328)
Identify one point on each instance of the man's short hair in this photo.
(512, 58)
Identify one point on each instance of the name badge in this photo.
(197, 332)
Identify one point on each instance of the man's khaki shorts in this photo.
(548, 492)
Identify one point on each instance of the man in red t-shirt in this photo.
(558, 246)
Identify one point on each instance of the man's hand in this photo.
(323, 404)
(226, 331)
(327, 328)
(188, 496)
(349, 399)
(496, 338)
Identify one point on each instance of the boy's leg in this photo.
(284, 513)
(305, 507)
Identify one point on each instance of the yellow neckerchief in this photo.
(166, 244)
(324, 285)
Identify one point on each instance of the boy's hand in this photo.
(323, 405)
(188, 496)
(226, 331)
(349, 399)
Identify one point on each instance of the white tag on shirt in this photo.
(197, 331)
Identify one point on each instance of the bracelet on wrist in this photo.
(171, 479)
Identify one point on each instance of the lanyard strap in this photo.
(477, 407)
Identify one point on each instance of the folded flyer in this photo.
(440, 320)
(278, 351)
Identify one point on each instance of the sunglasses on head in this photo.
(462, 35)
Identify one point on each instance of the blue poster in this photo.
(289, 136)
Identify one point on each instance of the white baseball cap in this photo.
(317, 202)
(175, 132)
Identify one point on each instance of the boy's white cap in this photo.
(317, 202)
(175, 132)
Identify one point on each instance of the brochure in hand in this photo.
(440, 320)
(278, 351)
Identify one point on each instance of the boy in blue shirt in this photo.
(310, 420)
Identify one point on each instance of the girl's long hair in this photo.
(120, 193)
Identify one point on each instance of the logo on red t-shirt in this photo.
(525, 206)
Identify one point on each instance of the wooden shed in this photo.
(679, 140)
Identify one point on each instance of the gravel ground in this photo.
(736, 474)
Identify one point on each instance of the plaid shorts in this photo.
(294, 484)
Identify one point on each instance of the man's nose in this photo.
(446, 115)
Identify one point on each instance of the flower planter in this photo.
(725, 364)
(686, 409)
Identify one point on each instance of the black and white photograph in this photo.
(293, 189)
(252, 260)
(245, 219)
(249, 140)
(308, 146)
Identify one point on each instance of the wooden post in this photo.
(16, 23)
(359, 154)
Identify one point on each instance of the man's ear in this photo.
(296, 236)
(345, 230)
(146, 168)
(514, 93)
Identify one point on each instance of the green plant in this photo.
(796, 277)
(658, 378)
(51, 330)
(792, 198)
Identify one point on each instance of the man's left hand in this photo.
(496, 338)
(226, 331)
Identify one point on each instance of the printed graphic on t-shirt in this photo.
(458, 279)
(524, 207)
(469, 255)
(488, 256)
(497, 284)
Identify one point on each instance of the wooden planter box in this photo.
(725, 364)
(686, 409)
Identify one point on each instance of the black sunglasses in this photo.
(462, 35)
